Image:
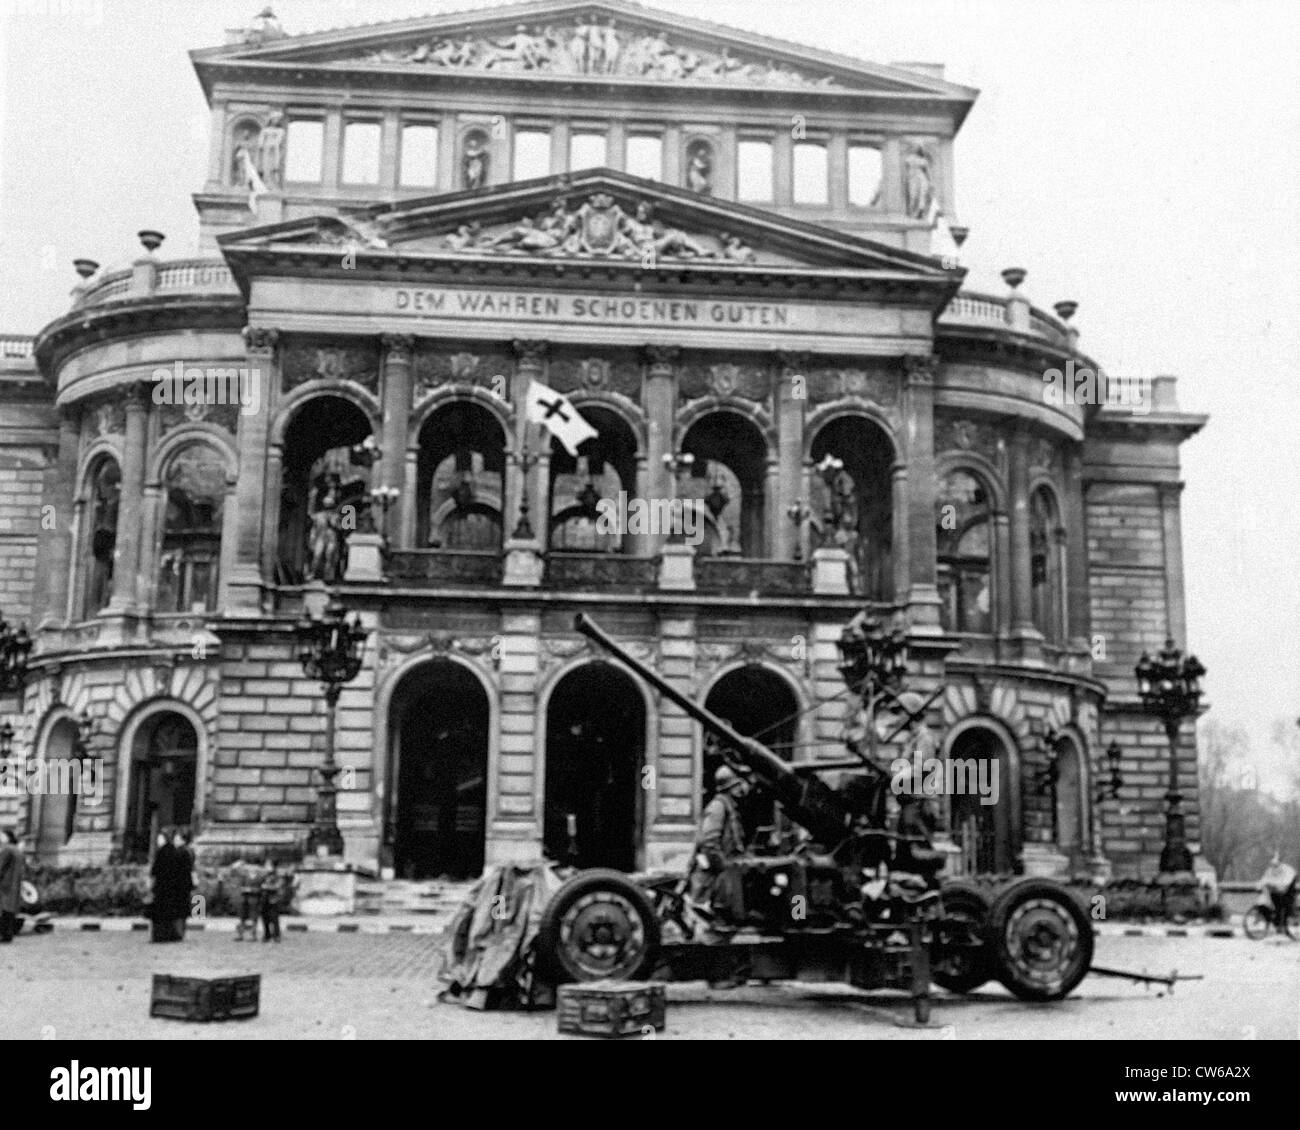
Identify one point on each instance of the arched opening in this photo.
(727, 483)
(605, 465)
(964, 538)
(190, 550)
(1070, 819)
(756, 703)
(326, 482)
(1046, 550)
(461, 479)
(104, 492)
(984, 832)
(437, 815)
(163, 781)
(595, 747)
(57, 810)
(852, 501)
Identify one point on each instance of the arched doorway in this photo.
(595, 747)
(56, 810)
(757, 703)
(460, 473)
(727, 481)
(163, 781)
(985, 833)
(437, 817)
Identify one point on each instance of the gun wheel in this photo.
(599, 925)
(1041, 940)
(960, 960)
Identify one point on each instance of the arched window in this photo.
(852, 501)
(728, 480)
(963, 539)
(195, 484)
(1045, 552)
(605, 466)
(461, 476)
(105, 483)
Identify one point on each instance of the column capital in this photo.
(662, 357)
(398, 347)
(260, 339)
(531, 351)
(793, 361)
(920, 368)
(137, 396)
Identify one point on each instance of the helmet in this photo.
(725, 779)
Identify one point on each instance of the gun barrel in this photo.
(807, 800)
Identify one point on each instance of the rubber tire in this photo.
(1254, 923)
(1004, 905)
(29, 898)
(550, 953)
(968, 897)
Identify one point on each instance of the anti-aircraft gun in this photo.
(853, 901)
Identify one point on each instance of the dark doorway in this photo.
(439, 803)
(164, 780)
(984, 831)
(759, 704)
(595, 746)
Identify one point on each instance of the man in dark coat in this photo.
(11, 883)
(714, 884)
(171, 890)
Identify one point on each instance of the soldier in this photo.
(714, 884)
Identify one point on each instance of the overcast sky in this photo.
(1139, 156)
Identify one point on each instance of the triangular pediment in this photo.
(610, 41)
(596, 216)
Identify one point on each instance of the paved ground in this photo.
(74, 984)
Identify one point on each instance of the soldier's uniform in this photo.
(713, 882)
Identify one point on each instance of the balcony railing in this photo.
(735, 576)
(17, 346)
(611, 572)
(445, 567)
(197, 276)
(970, 308)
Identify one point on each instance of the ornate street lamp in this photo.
(527, 461)
(383, 498)
(677, 463)
(329, 650)
(1170, 688)
(798, 513)
(15, 647)
(873, 666)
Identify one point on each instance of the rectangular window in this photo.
(810, 180)
(419, 158)
(361, 153)
(864, 175)
(754, 170)
(532, 154)
(588, 151)
(645, 156)
(304, 149)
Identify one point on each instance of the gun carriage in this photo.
(850, 901)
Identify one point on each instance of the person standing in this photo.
(714, 883)
(171, 889)
(11, 884)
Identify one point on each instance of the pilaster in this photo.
(243, 588)
(923, 593)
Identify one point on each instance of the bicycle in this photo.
(1264, 916)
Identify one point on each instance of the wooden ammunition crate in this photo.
(206, 998)
(612, 1008)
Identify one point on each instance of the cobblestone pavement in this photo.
(95, 985)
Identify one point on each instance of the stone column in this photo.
(642, 544)
(1076, 592)
(661, 410)
(923, 594)
(56, 543)
(789, 424)
(243, 588)
(524, 554)
(407, 517)
(151, 514)
(332, 148)
(397, 408)
(1172, 534)
(782, 168)
(837, 168)
(1022, 605)
(1001, 579)
(902, 555)
(130, 512)
(270, 514)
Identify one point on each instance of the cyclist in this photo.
(1279, 883)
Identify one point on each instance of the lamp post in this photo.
(15, 647)
(873, 666)
(1108, 789)
(1170, 689)
(677, 462)
(329, 650)
(384, 497)
(798, 513)
(526, 461)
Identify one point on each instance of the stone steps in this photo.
(404, 897)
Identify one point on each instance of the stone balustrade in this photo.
(194, 276)
(971, 308)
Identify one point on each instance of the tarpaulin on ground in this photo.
(487, 958)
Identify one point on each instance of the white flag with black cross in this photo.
(553, 410)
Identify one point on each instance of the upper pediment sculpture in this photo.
(589, 47)
(598, 227)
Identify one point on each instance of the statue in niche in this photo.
(918, 184)
(270, 150)
(325, 555)
(474, 161)
(699, 168)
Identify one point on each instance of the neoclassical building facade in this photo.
(723, 251)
